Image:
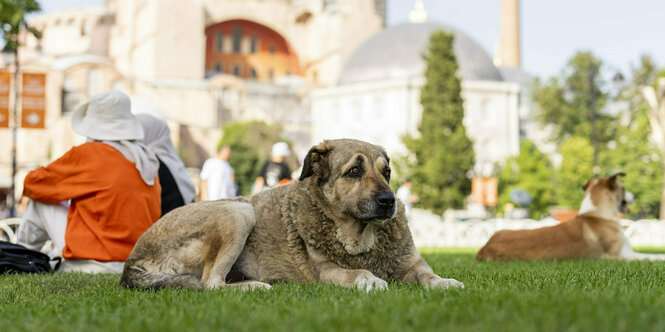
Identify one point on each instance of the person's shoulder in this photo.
(84, 150)
(211, 162)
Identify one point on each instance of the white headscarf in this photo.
(107, 118)
(158, 139)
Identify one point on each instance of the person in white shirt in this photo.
(217, 178)
(405, 195)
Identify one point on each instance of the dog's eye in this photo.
(353, 172)
(386, 173)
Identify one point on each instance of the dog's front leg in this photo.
(330, 272)
(417, 270)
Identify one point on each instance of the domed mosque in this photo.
(377, 97)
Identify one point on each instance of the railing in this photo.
(430, 230)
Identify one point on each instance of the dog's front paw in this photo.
(369, 282)
(438, 282)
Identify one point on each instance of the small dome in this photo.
(396, 52)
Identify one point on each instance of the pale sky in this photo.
(617, 31)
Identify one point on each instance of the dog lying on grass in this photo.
(594, 233)
(340, 224)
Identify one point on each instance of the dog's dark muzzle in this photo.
(385, 203)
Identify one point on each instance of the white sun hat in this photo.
(281, 149)
(107, 117)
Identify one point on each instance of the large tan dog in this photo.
(339, 224)
(594, 233)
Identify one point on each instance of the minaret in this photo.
(418, 14)
(510, 34)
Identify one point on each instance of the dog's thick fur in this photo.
(339, 224)
(594, 233)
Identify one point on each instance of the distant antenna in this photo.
(418, 14)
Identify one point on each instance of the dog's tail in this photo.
(136, 277)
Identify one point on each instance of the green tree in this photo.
(531, 171)
(633, 152)
(12, 21)
(564, 103)
(575, 171)
(641, 160)
(442, 153)
(250, 144)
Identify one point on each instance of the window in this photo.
(237, 70)
(237, 39)
(272, 49)
(271, 74)
(219, 42)
(252, 73)
(218, 67)
(254, 45)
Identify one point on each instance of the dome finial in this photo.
(418, 14)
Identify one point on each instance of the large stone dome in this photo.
(396, 52)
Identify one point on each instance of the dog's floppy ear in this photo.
(613, 179)
(316, 162)
(586, 185)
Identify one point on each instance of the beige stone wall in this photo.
(85, 30)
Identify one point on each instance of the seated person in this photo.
(96, 200)
(275, 172)
(177, 187)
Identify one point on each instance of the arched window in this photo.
(252, 73)
(254, 44)
(237, 40)
(218, 67)
(219, 42)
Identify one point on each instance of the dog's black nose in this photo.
(385, 199)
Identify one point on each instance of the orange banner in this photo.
(484, 190)
(33, 101)
(5, 87)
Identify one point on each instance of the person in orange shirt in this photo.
(96, 200)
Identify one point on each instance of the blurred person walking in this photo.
(96, 200)
(274, 172)
(405, 195)
(177, 187)
(217, 177)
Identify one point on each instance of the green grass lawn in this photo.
(516, 296)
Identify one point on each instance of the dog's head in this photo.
(353, 176)
(609, 192)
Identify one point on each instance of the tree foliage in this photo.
(575, 170)
(565, 103)
(530, 171)
(12, 20)
(633, 151)
(442, 153)
(250, 143)
(641, 160)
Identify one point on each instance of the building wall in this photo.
(381, 112)
(86, 30)
(249, 50)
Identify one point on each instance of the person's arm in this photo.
(203, 181)
(63, 179)
(258, 184)
(203, 190)
(412, 198)
(260, 180)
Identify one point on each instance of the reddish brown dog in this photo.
(594, 233)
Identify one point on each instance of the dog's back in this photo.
(573, 239)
